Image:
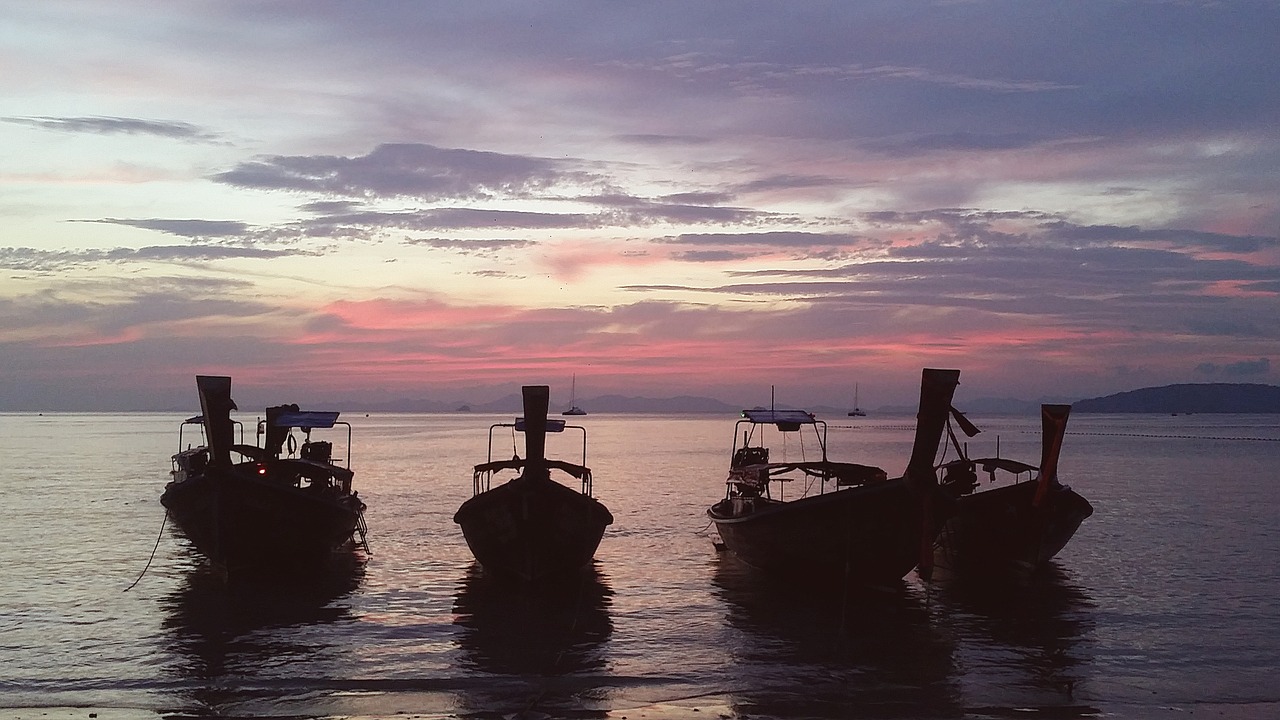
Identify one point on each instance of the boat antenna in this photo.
(772, 406)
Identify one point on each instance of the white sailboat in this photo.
(573, 404)
(856, 411)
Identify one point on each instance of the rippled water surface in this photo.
(1164, 605)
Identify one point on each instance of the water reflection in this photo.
(546, 640)
(519, 629)
(835, 652)
(1024, 632)
(238, 645)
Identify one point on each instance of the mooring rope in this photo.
(153, 551)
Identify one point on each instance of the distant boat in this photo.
(848, 522)
(1024, 518)
(532, 527)
(270, 508)
(573, 400)
(856, 411)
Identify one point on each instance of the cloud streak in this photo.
(117, 126)
(411, 170)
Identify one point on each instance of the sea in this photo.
(1166, 604)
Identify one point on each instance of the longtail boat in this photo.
(850, 522)
(275, 505)
(532, 527)
(1022, 515)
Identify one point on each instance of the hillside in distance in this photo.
(1188, 398)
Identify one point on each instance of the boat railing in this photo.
(755, 479)
(553, 426)
(752, 471)
(785, 421)
(198, 420)
(315, 450)
(482, 475)
(346, 464)
(961, 476)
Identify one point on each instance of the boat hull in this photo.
(1002, 526)
(869, 534)
(244, 521)
(533, 528)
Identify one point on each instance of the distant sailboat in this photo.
(856, 411)
(573, 405)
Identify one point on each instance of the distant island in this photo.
(1188, 398)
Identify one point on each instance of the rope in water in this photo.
(153, 552)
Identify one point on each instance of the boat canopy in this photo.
(306, 419)
(784, 419)
(777, 417)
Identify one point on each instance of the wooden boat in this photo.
(1023, 516)
(532, 527)
(263, 506)
(851, 522)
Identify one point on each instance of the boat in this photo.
(1022, 516)
(573, 400)
(275, 505)
(532, 527)
(856, 411)
(850, 522)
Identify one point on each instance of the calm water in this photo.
(1164, 605)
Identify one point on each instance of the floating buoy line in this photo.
(1093, 433)
(1171, 437)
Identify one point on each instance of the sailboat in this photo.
(573, 404)
(856, 411)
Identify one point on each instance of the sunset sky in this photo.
(351, 200)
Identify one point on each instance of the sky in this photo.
(447, 200)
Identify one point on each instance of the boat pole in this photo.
(536, 400)
(937, 387)
(1053, 423)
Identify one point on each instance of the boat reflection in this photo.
(838, 652)
(1026, 635)
(235, 644)
(524, 629)
(545, 642)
